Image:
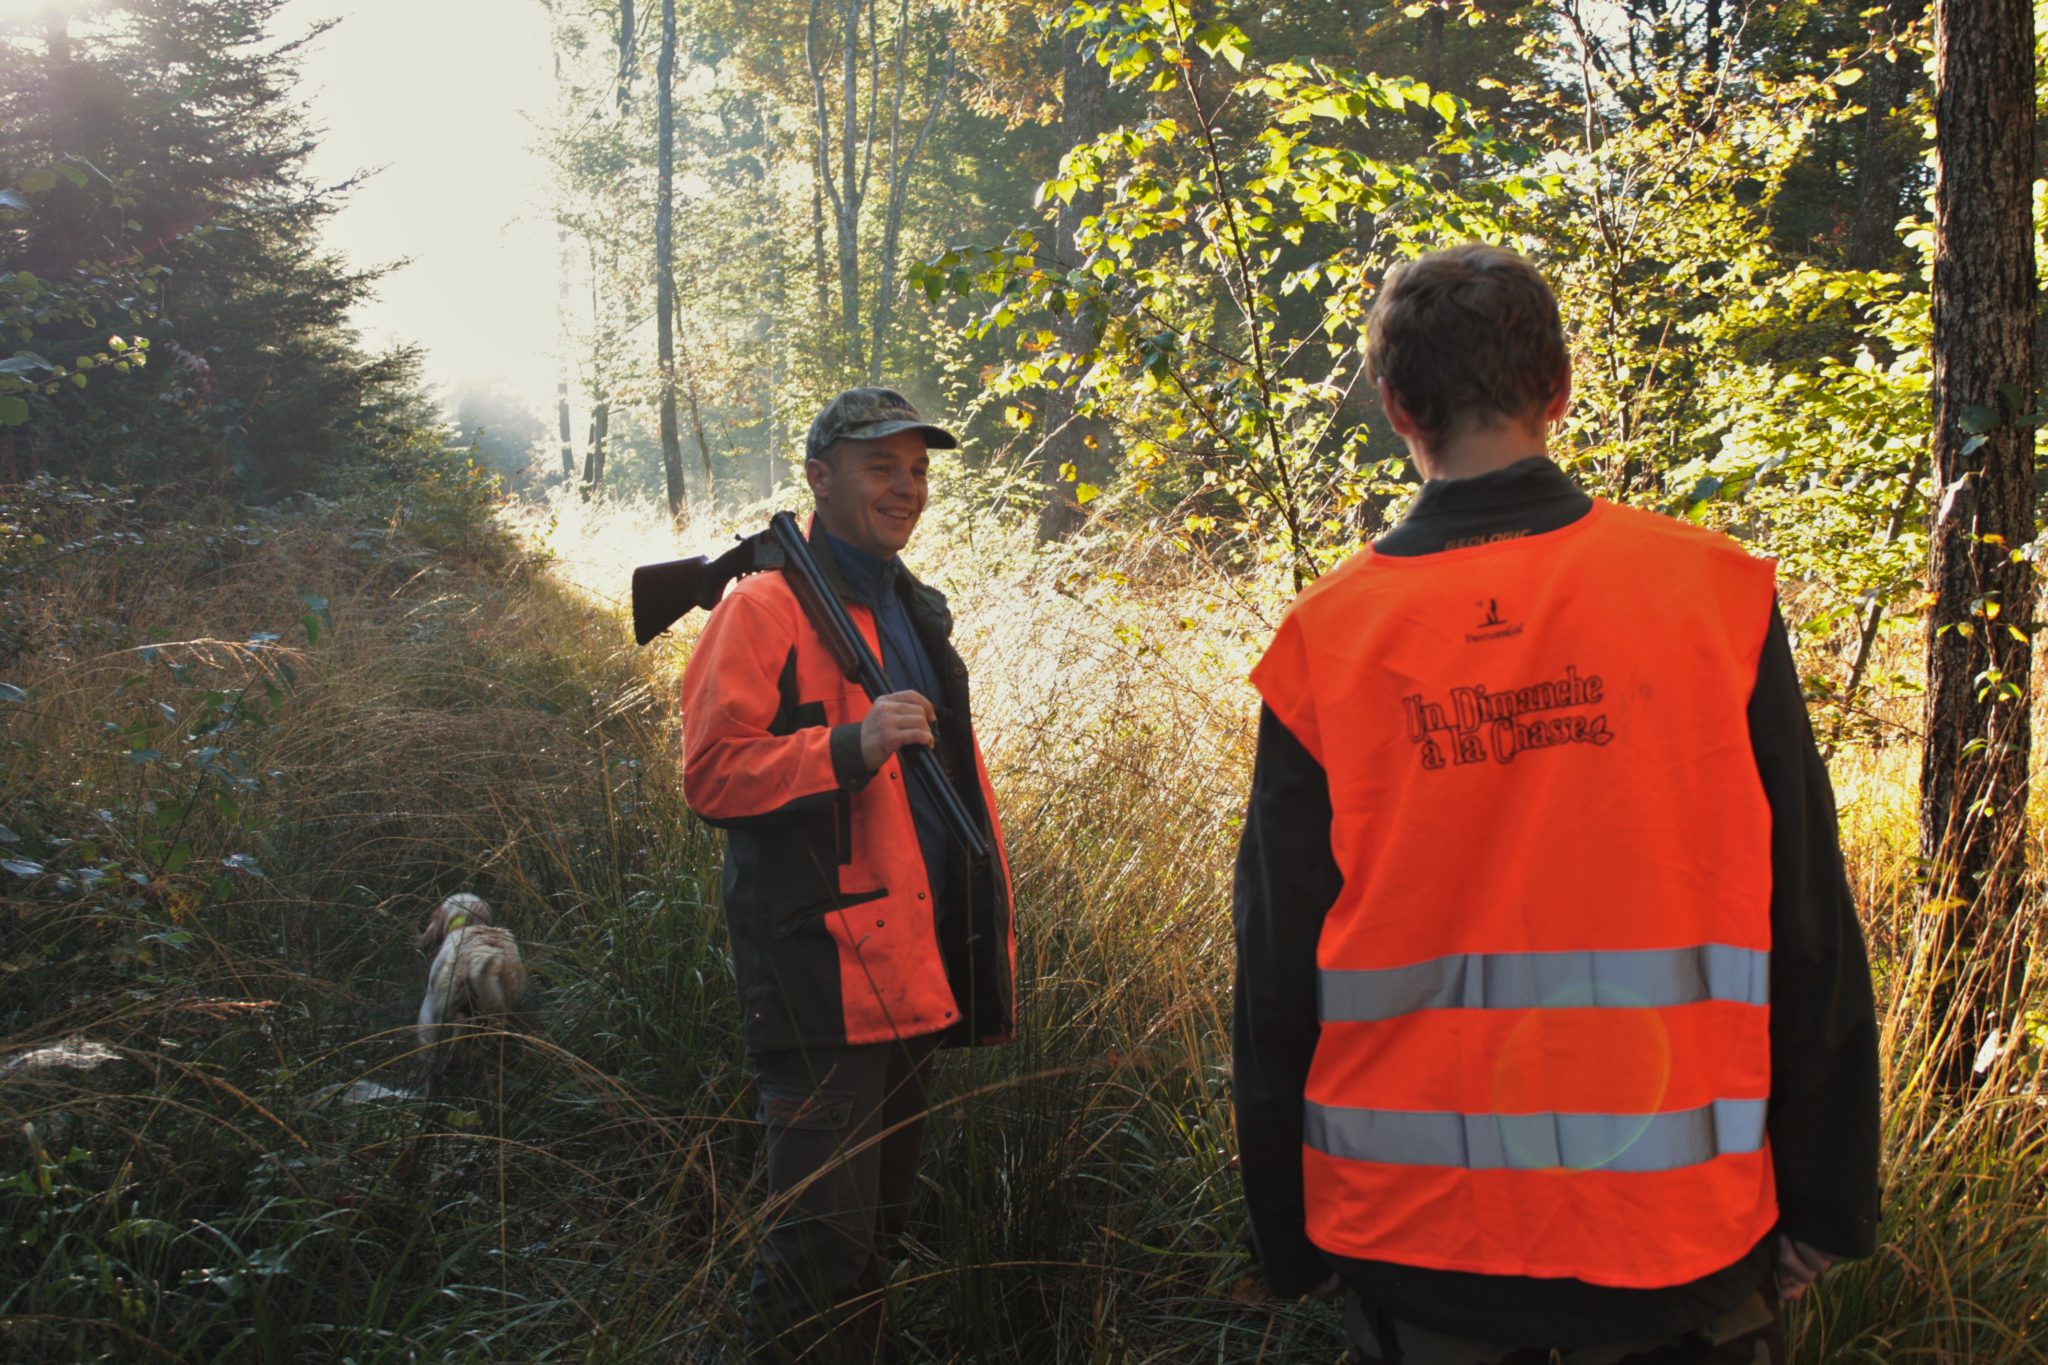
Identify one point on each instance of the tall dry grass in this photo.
(476, 717)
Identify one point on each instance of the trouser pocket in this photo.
(805, 1110)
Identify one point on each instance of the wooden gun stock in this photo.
(665, 593)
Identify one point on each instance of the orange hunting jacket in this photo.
(835, 936)
(1543, 986)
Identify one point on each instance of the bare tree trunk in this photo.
(1973, 777)
(689, 373)
(593, 461)
(65, 209)
(562, 335)
(562, 413)
(781, 441)
(1064, 451)
(665, 260)
(851, 189)
(562, 332)
(1881, 158)
(900, 166)
(845, 197)
(697, 427)
(859, 137)
(1433, 49)
(625, 57)
(819, 269)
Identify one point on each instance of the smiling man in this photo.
(864, 937)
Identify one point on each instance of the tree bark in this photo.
(562, 333)
(852, 189)
(665, 259)
(1973, 777)
(626, 25)
(562, 414)
(1881, 158)
(703, 446)
(562, 339)
(846, 196)
(1433, 49)
(64, 208)
(1084, 116)
(593, 462)
(859, 138)
(900, 167)
(818, 267)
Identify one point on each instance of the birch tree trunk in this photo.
(856, 127)
(593, 461)
(852, 187)
(562, 342)
(665, 259)
(900, 166)
(1973, 777)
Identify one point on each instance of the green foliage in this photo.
(1227, 277)
(63, 315)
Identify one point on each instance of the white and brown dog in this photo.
(476, 974)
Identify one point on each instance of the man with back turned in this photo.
(864, 937)
(1553, 1025)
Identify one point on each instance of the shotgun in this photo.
(664, 593)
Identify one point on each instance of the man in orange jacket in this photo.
(1553, 1025)
(863, 937)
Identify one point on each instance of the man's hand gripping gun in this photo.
(664, 593)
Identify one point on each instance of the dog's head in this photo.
(459, 911)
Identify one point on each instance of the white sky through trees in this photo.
(443, 95)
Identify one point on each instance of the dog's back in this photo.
(490, 975)
(477, 973)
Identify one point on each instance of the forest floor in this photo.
(243, 755)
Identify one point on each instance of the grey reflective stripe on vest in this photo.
(1532, 1142)
(1632, 979)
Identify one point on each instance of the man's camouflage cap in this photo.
(869, 415)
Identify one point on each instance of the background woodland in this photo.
(287, 652)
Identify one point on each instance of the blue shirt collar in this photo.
(870, 577)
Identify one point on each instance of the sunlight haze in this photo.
(439, 99)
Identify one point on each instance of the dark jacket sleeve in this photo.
(1286, 883)
(1824, 1124)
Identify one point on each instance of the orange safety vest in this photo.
(1543, 988)
(827, 899)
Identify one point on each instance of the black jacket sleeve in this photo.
(1824, 1124)
(1286, 883)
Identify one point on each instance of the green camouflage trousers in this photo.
(1747, 1334)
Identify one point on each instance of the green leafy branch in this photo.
(1229, 272)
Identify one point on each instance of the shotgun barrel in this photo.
(664, 593)
(850, 650)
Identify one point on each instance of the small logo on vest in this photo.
(1482, 726)
(1492, 625)
(1490, 538)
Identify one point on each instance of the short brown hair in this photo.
(1465, 337)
